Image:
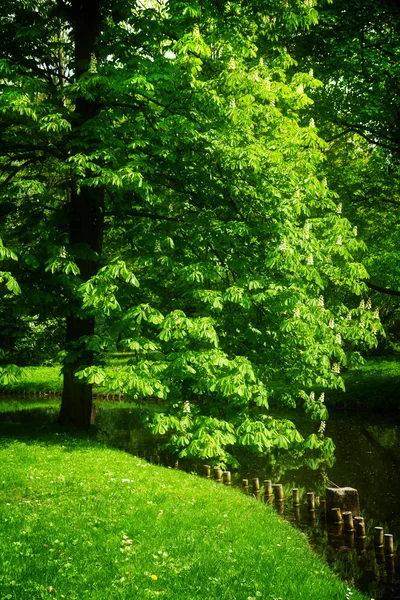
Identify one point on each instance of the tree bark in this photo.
(86, 223)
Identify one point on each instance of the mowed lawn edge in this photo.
(83, 521)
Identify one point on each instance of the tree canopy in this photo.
(159, 180)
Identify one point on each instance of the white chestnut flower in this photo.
(321, 301)
(339, 208)
(339, 241)
(331, 323)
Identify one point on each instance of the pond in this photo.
(367, 457)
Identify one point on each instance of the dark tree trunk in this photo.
(85, 225)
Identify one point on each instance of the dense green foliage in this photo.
(80, 521)
(354, 51)
(162, 190)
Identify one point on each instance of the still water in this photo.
(367, 458)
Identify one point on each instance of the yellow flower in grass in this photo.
(153, 577)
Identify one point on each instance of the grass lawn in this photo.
(374, 385)
(83, 521)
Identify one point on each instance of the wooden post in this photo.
(360, 527)
(207, 471)
(267, 487)
(389, 551)
(256, 484)
(296, 513)
(278, 492)
(322, 505)
(348, 520)
(296, 499)
(311, 500)
(378, 537)
(390, 565)
(227, 478)
(245, 485)
(218, 474)
(336, 516)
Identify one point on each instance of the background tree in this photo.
(158, 177)
(354, 51)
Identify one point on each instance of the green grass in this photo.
(83, 521)
(375, 384)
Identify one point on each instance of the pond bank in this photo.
(81, 520)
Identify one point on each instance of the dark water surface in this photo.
(367, 457)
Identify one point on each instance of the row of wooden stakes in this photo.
(351, 525)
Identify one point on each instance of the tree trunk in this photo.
(86, 224)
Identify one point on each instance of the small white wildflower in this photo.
(338, 339)
(321, 301)
(300, 89)
(310, 259)
(311, 123)
(283, 245)
(331, 323)
(339, 208)
(362, 304)
(355, 230)
(339, 241)
(232, 64)
(322, 398)
(336, 368)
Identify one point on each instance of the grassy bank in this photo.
(82, 521)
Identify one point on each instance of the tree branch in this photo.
(378, 288)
